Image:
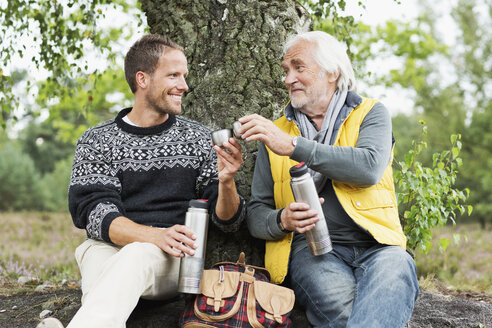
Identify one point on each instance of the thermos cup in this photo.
(235, 128)
(191, 267)
(220, 136)
(304, 190)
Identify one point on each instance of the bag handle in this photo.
(241, 260)
(242, 263)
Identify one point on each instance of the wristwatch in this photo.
(279, 222)
(294, 141)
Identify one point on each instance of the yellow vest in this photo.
(373, 208)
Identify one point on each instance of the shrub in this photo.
(426, 195)
(55, 186)
(19, 180)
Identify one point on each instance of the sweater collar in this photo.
(140, 130)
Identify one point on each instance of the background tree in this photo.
(98, 97)
(42, 144)
(20, 187)
(58, 36)
(474, 70)
(460, 104)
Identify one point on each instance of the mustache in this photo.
(296, 85)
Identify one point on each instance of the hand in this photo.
(299, 217)
(177, 240)
(229, 162)
(256, 127)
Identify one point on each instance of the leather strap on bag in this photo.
(222, 317)
(196, 325)
(249, 277)
(251, 308)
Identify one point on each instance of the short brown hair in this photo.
(144, 55)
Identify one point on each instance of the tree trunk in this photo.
(234, 50)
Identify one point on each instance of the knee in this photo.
(140, 254)
(397, 259)
(402, 270)
(404, 264)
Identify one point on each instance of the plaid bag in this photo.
(238, 295)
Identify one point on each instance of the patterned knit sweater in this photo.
(145, 174)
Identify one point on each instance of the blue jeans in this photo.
(355, 286)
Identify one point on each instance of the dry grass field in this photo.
(41, 245)
(463, 266)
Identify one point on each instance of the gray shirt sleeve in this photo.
(261, 213)
(362, 165)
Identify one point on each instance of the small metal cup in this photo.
(235, 128)
(221, 136)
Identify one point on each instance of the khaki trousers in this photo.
(114, 278)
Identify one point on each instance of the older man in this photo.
(367, 280)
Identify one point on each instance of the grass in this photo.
(41, 245)
(38, 245)
(463, 266)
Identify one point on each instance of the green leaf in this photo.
(455, 151)
(444, 243)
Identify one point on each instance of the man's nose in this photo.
(182, 84)
(290, 78)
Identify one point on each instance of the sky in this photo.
(375, 13)
(378, 11)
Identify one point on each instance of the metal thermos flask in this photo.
(191, 267)
(304, 190)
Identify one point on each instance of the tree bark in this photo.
(234, 51)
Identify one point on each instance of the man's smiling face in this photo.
(167, 83)
(307, 83)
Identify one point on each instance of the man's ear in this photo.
(142, 79)
(333, 77)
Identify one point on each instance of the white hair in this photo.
(329, 54)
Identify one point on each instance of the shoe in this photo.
(50, 323)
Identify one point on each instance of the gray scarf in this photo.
(323, 136)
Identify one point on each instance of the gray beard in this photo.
(297, 104)
(310, 97)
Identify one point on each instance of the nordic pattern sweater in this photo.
(145, 174)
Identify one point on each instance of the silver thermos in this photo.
(191, 267)
(304, 190)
